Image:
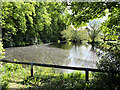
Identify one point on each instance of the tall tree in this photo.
(111, 27)
(82, 12)
(16, 20)
(31, 22)
(93, 29)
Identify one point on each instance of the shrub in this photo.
(75, 36)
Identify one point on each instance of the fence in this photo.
(62, 67)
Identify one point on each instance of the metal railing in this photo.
(62, 67)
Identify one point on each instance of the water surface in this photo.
(68, 54)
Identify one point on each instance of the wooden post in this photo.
(87, 74)
(31, 69)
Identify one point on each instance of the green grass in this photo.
(15, 76)
(18, 77)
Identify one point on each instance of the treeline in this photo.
(25, 23)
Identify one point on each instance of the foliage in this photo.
(58, 22)
(104, 81)
(11, 73)
(111, 27)
(74, 35)
(43, 78)
(25, 23)
(93, 30)
(68, 34)
(1, 50)
(82, 12)
(58, 81)
(110, 60)
(33, 22)
(14, 22)
(3, 84)
(82, 35)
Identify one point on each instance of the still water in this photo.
(68, 54)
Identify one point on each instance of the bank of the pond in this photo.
(16, 77)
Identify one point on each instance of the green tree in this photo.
(75, 35)
(32, 22)
(58, 22)
(82, 12)
(68, 34)
(111, 27)
(16, 20)
(93, 29)
(42, 21)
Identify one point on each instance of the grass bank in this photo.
(15, 76)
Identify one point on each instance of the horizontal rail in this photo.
(58, 66)
(62, 67)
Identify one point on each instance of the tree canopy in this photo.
(30, 22)
(33, 22)
(82, 12)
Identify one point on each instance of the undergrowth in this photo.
(15, 76)
(18, 76)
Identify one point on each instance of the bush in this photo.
(110, 61)
(3, 85)
(43, 78)
(58, 81)
(75, 36)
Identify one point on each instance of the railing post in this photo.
(87, 74)
(31, 69)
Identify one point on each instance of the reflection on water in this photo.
(59, 54)
(82, 56)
